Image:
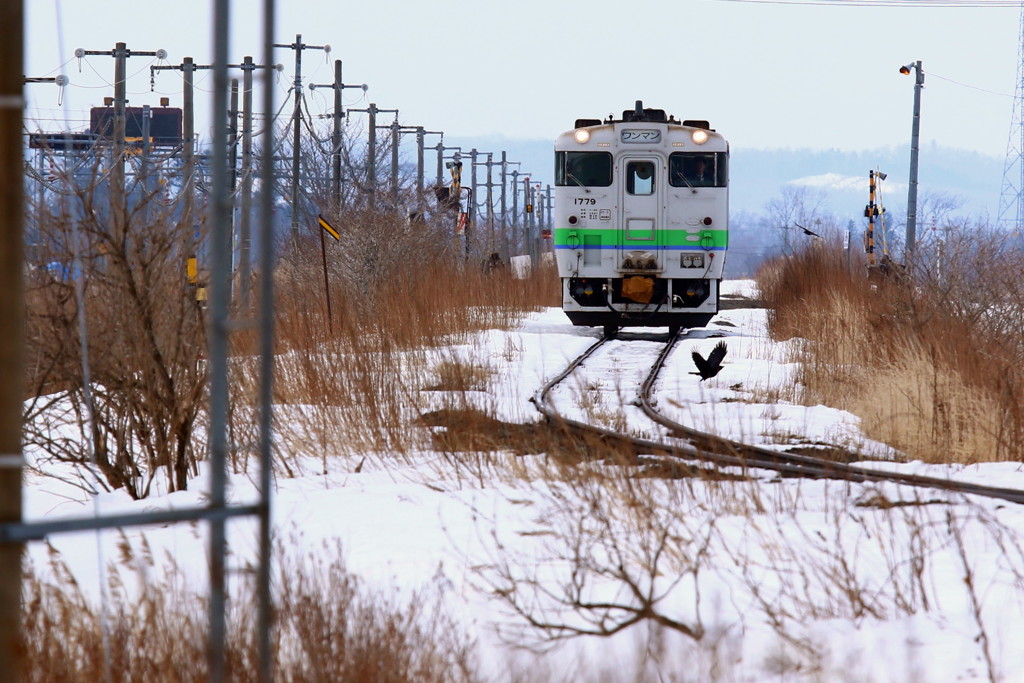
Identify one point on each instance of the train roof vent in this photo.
(584, 123)
(640, 114)
(697, 123)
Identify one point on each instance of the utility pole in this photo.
(120, 53)
(298, 46)
(441, 149)
(396, 131)
(232, 146)
(337, 116)
(471, 222)
(515, 205)
(188, 129)
(505, 223)
(12, 187)
(915, 134)
(420, 170)
(371, 151)
(245, 203)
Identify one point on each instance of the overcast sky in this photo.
(766, 75)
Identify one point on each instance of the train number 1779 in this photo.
(590, 201)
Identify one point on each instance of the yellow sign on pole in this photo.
(328, 227)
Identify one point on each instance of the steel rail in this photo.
(692, 444)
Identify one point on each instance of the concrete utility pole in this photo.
(441, 149)
(188, 68)
(396, 131)
(12, 187)
(337, 116)
(421, 133)
(504, 222)
(515, 205)
(915, 135)
(120, 53)
(371, 150)
(188, 132)
(298, 46)
(245, 202)
(471, 213)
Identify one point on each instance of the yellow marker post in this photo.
(328, 228)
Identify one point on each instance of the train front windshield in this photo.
(698, 169)
(586, 169)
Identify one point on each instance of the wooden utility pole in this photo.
(11, 341)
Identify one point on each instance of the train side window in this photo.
(640, 177)
(703, 169)
(583, 169)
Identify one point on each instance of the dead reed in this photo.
(329, 627)
(929, 359)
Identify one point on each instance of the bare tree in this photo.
(119, 289)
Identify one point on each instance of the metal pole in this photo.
(296, 137)
(147, 120)
(189, 144)
(336, 139)
(266, 329)
(490, 204)
(419, 167)
(503, 221)
(440, 163)
(245, 222)
(220, 208)
(471, 223)
(117, 170)
(12, 341)
(914, 149)
(232, 142)
(395, 138)
(371, 161)
(515, 206)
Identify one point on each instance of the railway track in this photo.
(691, 444)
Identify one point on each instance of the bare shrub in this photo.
(329, 627)
(351, 385)
(119, 279)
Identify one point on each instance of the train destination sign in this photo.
(642, 136)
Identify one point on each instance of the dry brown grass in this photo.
(931, 364)
(350, 385)
(329, 627)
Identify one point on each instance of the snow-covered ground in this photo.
(780, 579)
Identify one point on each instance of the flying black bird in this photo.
(710, 367)
(806, 231)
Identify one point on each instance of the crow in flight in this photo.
(810, 233)
(710, 367)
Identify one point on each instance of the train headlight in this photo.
(699, 136)
(582, 135)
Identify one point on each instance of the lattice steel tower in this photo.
(1011, 200)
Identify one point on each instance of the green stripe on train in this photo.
(666, 237)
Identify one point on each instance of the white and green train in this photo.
(641, 223)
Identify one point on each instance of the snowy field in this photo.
(756, 579)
